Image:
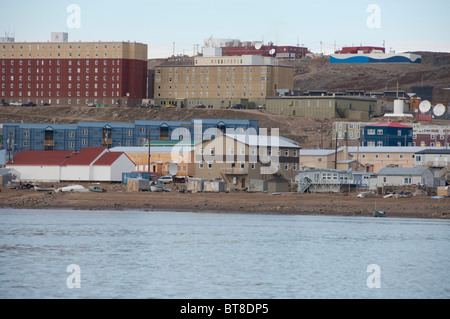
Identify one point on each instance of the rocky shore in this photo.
(347, 204)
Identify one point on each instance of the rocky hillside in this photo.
(320, 74)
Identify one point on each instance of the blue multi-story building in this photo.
(28, 136)
(388, 134)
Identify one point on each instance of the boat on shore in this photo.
(71, 188)
(156, 188)
(43, 188)
(379, 213)
(96, 189)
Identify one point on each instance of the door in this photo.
(49, 140)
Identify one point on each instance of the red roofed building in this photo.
(388, 134)
(39, 165)
(90, 164)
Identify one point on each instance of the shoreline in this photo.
(336, 204)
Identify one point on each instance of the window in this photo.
(399, 132)
(210, 165)
(286, 152)
(200, 165)
(212, 151)
(319, 159)
(231, 150)
(380, 131)
(370, 131)
(407, 180)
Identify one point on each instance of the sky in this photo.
(182, 26)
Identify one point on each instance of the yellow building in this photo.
(204, 82)
(161, 158)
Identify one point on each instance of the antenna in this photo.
(424, 106)
(439, 110)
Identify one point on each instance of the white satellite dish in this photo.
(173, 169)
(272, 51)
(258, 45)
(439, 110)
(424, 106)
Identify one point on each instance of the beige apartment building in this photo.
(238, 158)
(209, 82)
(327, 159)
(375, 158)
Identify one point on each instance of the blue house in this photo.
(388, 134)
(28, 136)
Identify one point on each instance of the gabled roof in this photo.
(262, 140)
(85, 157)
(318, 152)
(434, 151)
(389, 124)
(108, 158)
(40, 158)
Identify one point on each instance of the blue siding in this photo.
(77, 136)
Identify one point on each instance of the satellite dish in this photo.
(424, 106)
(439, 110)
(173, 169)
(272, 51)
(258, 45)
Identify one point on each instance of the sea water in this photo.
(141, 254)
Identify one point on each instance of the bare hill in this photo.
(320, 74)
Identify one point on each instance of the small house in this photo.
(405, 176)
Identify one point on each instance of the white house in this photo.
(405, 176)
(44, 166)
(110, 166)
(91, 164)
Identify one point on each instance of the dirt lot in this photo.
(117, 198)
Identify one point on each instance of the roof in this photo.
(386, 149)
(434, 151)
(153, 149)
(108, 158)
(402, 171)
(389, 124)
(263, 140)
(318, 152)
(86, 156)
(40, 158)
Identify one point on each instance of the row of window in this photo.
(58, 70)
(206, 70)
(58, 86)
(252, 165)
(20, 94)
(253, 151)
(50, 55)
(58, 62)
(371, 131)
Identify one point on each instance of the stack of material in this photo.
(443, 191)
(137, 184)
(215, 186)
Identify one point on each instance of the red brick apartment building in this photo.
(73, 73)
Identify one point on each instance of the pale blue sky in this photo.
(405, 25)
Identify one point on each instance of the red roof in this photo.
(40, 158)
(108, 158)
(86, 156)
(389, 124)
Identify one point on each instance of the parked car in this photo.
(45, 104)
(170, 105)
(200, 106)
(165, 179)
(4, 104)
(15, 104)
(145, 105)
(261, 107)
(238, 106)
(29, 104)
